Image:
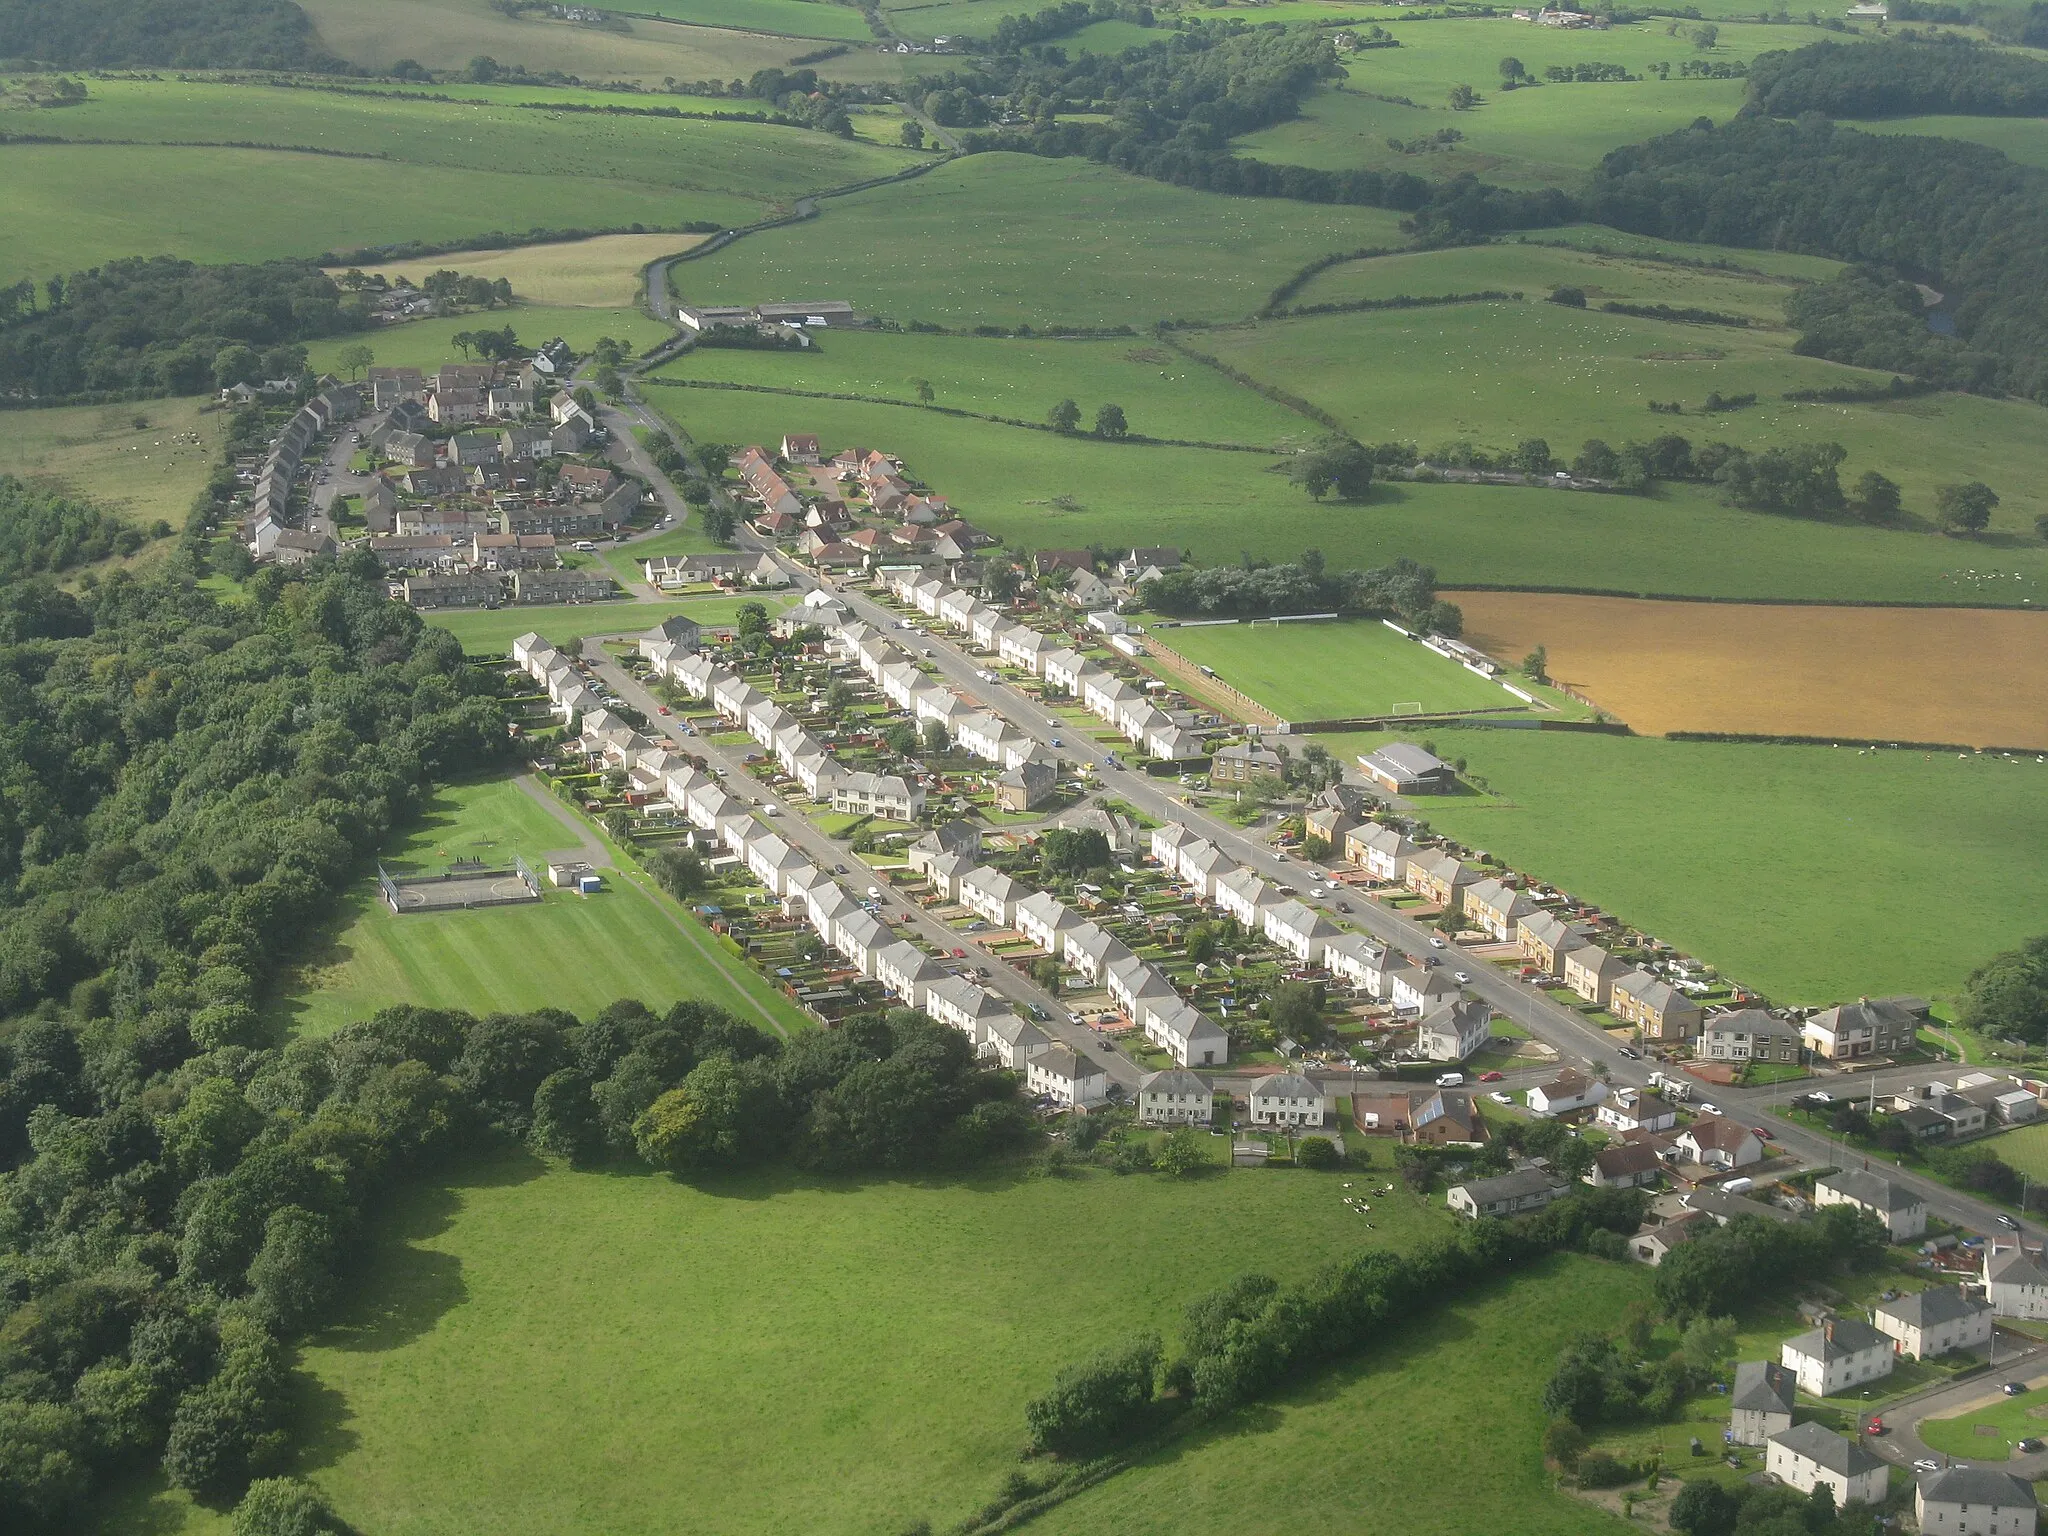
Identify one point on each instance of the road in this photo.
(340, 481)
(2025, 1360)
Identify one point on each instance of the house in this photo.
(1749, 1034)
(1423, 990)
(1654, 1240)
(1974, 1501)
(1402, 768)
(1436, 876)
(1380, 851)
(469, 590)
(1497, 908)
(1809, 1455)
(1624, 1165)
(1841, 1353)
(1509, 1194)
(1026, 786)
(964, 1005)
(1429, 1116)
(887, 795)
(1242, 762)
(1591, 972)
(800, 447)
(1021, 648)
(1066, 1077)
(1045, 920)
(2015, 1282)
(562, 587)
(1654, 1006)
(1288, 1098)
(1158, 557)
(1138, 988)
(295, 546)
(1357, 960)
(1299, 929)
(992, 895)
(1715, 1141)
(1190, 1036)
(1761, 1404)
(1174, 1097)
(1246, 897)
(678, 631)
(1091, 951)
(906, 971)
(1634, 1110)
(1454, 1031)
(1544, 939)
(1571, 1089)
(1903, 1213)
(1934, 1321)
(1013, 1042)
(1861, 1028)
(1329, 825)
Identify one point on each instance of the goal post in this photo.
(1408, 707)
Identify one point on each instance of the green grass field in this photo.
(426, 343)
(791, 18)
(1813, 873)
(777, 1353)
(1040, 492)
(1332, 670)
(1162, 393)
(2024, 139)
(568, 951)
(143, 473)
(492, 631)
(2008, 1418)
(1011, 239)
(2027, 1150)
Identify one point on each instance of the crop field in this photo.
(790, 18)
(1816, 874)
(1548, 134)
(142, 472)
(258, 205)
(427, 343)
(2024, 139)
(1499, 373)
(1944, 674)
(569, 951)
(1162, 393)
(447, 34)
(1039, 492)
(1374, 1432)
(1012, 239)
(600, 273)
(1328, 671)
(774, 1352)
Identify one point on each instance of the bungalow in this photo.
(1624, 1165)
(1749, 1034)
(1497, 908)
(1246, 897)
(1420, 990)
(1454, 1030)
(1715, 1141)
(1013, 1042)
(1570, 1090)
(992, 895)
(1934, 1321)
(1174, 1097)
(1761, 1404)
(1862, 1028)
(1380, 851)
(1963, 1500)
(1634, 1109)
(1288, 1098)
(1839, 1354)
(1654, 1006)
(1508, 1194)
(906, 971)
(1066, 1077)
(1189, 1035)
(1358, 960)
(1299, 929)
(1404, 769)
(1809, 1456)
(1591, 972)
(1903, 1212)
(886, 795)
(1545, 939)
(2015, 1282)
(1435, 876)
(1243, 762)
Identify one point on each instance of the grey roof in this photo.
(1067, 1064)
(1934, 1306)
(1753, 1021)
(1410, 760)
(1817, 1443)
(1286, 1085)
(2014, 1266)
(1173, 1080)
(1510, 1186)
(1831, 1341)
(1871, 1190)
(1977, 1485)
(1763, 1386)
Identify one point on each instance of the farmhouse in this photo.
(1903, 1213)
(1402, 768)
(1454, 1031)
(1509, 1194)
(1837, 1355)
(1761, 1404)
(1749, 1034)
(1174, 1097)
(1066, 1077)
(1654, 1006)
(1810, 1455)
(1862, 1028)
(1288, 1098)
(1935, 1321)
(1974, 1501)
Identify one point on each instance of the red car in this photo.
(1765, 1132)
(1489, 1077)
(662, 707)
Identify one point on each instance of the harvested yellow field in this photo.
(1974, 676)
(600, 273)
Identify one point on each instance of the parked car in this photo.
(1926, 1464)
(2008, 1223)
(2013, 1388)
(1709, 1109)
(1500, 1098)
(1450, 1079)
(1631, 1053)
(2031, 1444)
(1490, 1077)
(1462, 978)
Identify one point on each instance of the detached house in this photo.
(1624, 1165)
(1935, 1321)
(1761, 1404)
(1903, 1213)
(1571, 1089)
(1510, 1194)
(1636, 1110)
(1288, 1098)
(1454, 1031)
(1715, 1141)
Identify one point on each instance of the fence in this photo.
(1199, 682)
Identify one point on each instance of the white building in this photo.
(1359, 961)
(1934, 1321)
(1066, 1077)
(1839, 1354)
(2016, 1282)
(1288, 1098)
(906, 971)
(1191, 1036)
(1045, 920)
(1903, 1213)
(1762, 1402)
(1298, 928)
(1013, 1042)
(1974, 1501)
(1454, 1031)
(1174, 1097)
(992, 895)
(1807, 1455)
(1571, 1089)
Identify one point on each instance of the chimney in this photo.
(1828, 1330)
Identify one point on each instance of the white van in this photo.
(584, 546)
(1450, 1080)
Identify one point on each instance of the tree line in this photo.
(166, 34)
(1898, 79)
(1404, 589)
(42, 530)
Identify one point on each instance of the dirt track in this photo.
(1973, 676)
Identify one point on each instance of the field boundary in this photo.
(1201, 682)
(1771, 602)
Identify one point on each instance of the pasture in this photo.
(1039, 492)
(428, 343)
(2024, 139)
(1817, 874)
(771, 1352)
(600, 273)
(1162, 393)
(788, 18)
(1010, 239)
(1496, 373)
(490, 632)
(142, 472)
(1945, 674)
(1327, 671)
(569, 951)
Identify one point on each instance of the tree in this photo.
(1965, 508)
(1201, 943)
(1705, 37)
(236, 365)
(925, 392)
(1536, 665)
(620, 824)
(935, 738)
(1572, 298)
(1070, 852)
(1564, 1443)
(1092, 1406)
(679, 871)
(1064, 417)
(712, 458)
(465, 343)
(1703, 1509)
(1532, 456)
(284, 1506)
(721, 523)
(1463, 98)
(2006, 998)
(353, 359)
(1295, 1009)
(912, 136)
(1876, 499)
(1333, 464)
(292, 1276)
(1511, 70)
(1317, 1152)
(1110, 422)
(901, 738)
(1182, 1153)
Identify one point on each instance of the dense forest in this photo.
(1897, 79)
(45, 530)
(169, 34)
(158, 323)
(1958, 216)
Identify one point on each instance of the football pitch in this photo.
(1335, 670)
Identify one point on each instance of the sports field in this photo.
(1814, 873)
(142, 472)
(1945, 674)
(574, 952)
(1329, 671)
(427, 344)
(1040, 492)
(1011, 239)
(599, 273)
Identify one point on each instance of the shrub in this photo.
(1601, 1470)
(1317, 1152)
(1095, 1404)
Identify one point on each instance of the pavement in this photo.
(587, 847)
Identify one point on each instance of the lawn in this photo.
(427, 344)
(600, 273)
(492, 631)
(1039, 492)
(1012, 239)
(568, 951)
(1373, 1436)
(1814, 874)
(779, 1352)
(1162, 393)
(2007, 1418)
(1328, 671)
(2027, 1150)
(143, 473)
